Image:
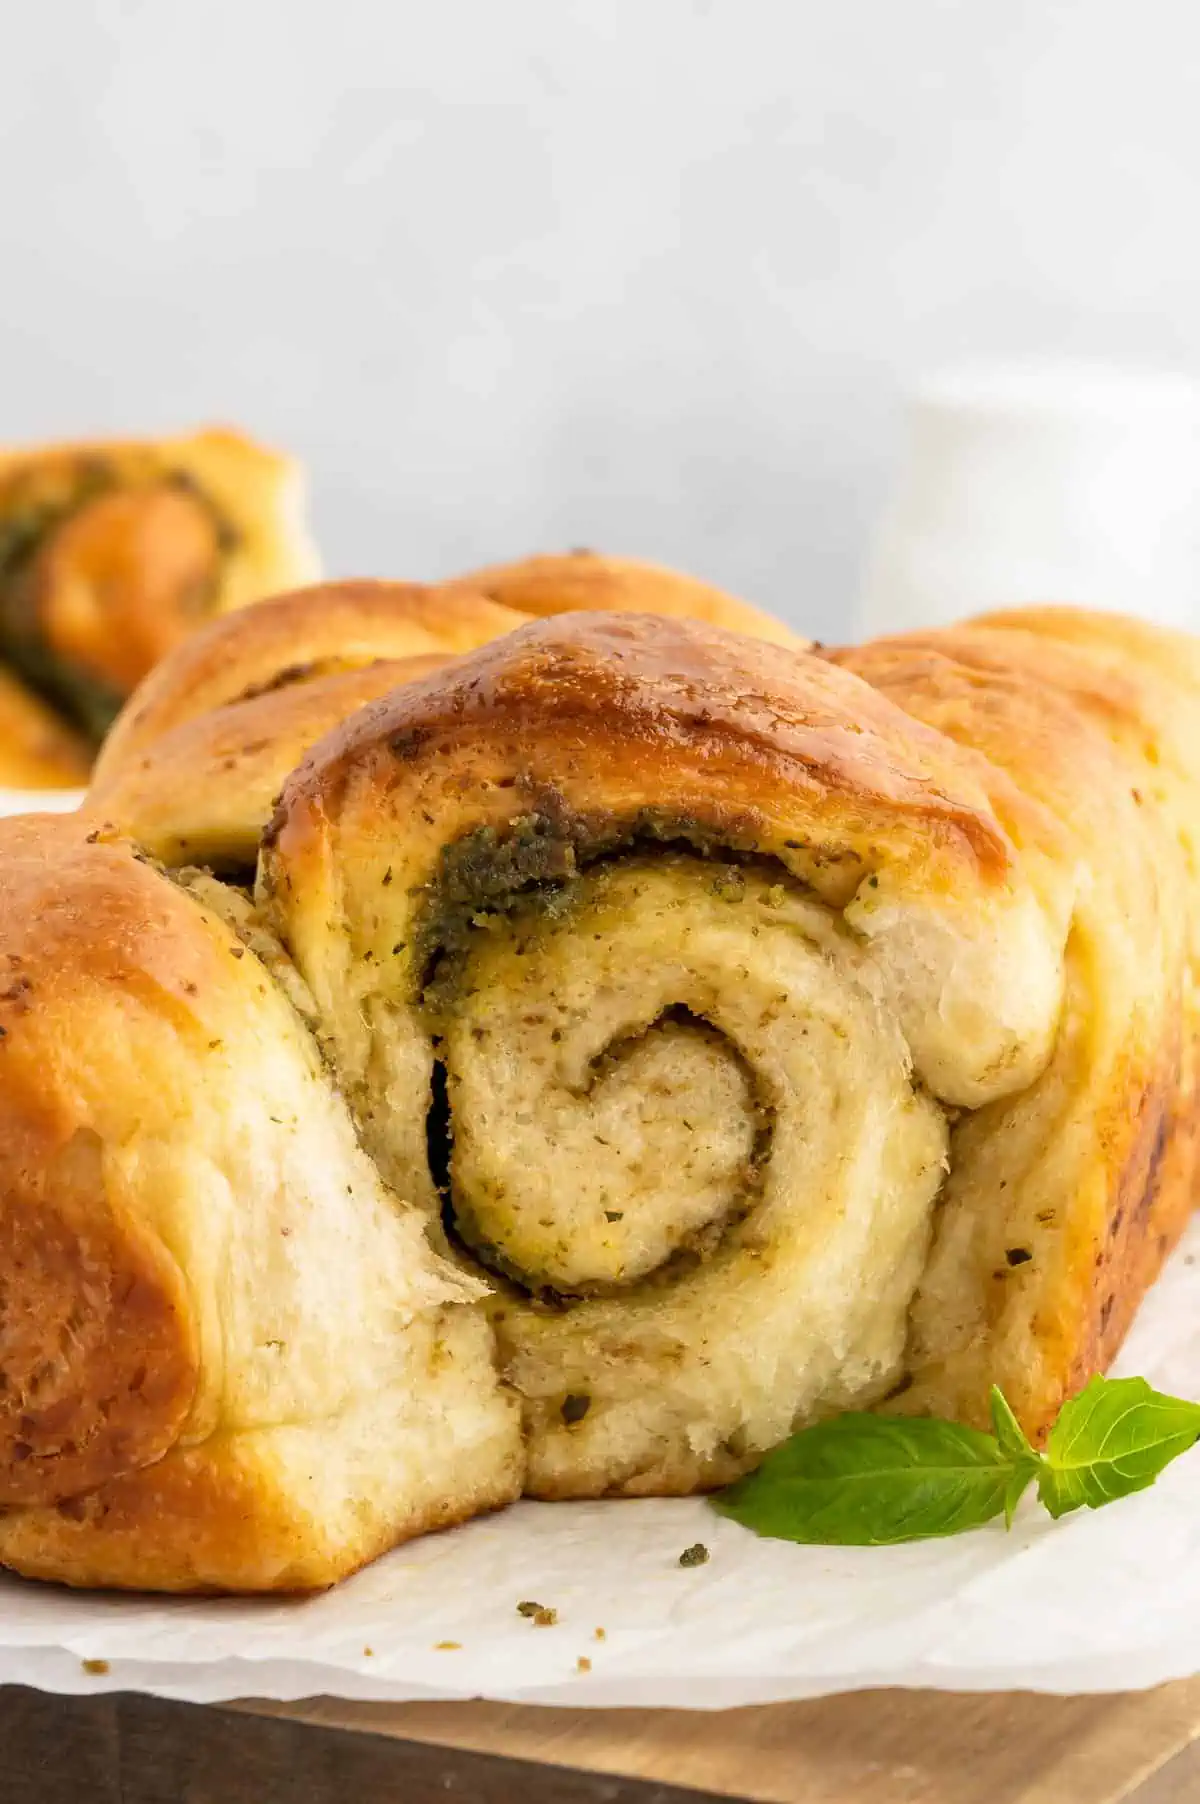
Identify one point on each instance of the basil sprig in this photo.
(868, 1481)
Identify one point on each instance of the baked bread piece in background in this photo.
(111, 553)
(576, 582)
(194, 764)
(297, 638)
(38, 749)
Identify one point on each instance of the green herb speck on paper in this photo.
(871, 1481)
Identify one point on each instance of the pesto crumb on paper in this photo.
(539, 1614)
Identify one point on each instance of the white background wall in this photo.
(642, 274)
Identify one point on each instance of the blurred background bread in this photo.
(111, 553)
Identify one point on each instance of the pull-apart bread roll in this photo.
(193, 765)
(584, 582)
(1062, 1198)
(643, 1040)
(111, 553)
(656, 964)
(229, 1358)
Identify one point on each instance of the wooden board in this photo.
(874, 1748)
(868, 1748)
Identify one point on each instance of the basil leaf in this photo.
(1014, 1444)
(1114, 1438)
(868, 1481)
(1008, 1431)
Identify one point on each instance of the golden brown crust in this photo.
(96, 1347)
(218, 1538)
(1154, 1196)
(227, 1358)
(204, 791)
(666, 708)
(296, 638)
(1086, 739)
(1125, 645)
(315, 634)
(585, 582)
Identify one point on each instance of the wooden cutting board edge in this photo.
(888, 1747)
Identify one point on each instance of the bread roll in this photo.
(583, 581)
(228, 1358)
(111, 553)
(683, 954)
(194, 763)
(294, 639)
(203, 792)
(1062, 1200)
(695, 1036)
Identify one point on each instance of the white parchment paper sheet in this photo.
(1104, 1600)
(1100, 1601)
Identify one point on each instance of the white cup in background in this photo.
(1028, 483)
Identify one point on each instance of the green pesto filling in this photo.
(524, 873)
(530, 864)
